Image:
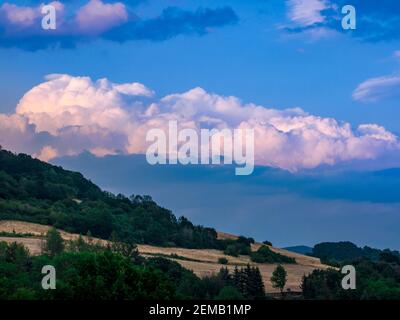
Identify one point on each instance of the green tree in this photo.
(278, 278)
(54, 243)
(229, 293)
(231, 250)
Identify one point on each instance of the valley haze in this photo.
(290, 209)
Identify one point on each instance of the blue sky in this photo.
(275, 54)
(251, 59)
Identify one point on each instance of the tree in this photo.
(389, 257)
(257, 283)
(229, 293)
(278, 278)
(231, 250)
(54, 243)
(127, 249)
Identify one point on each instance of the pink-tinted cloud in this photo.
(66, 115)
(96, 17)
(306, 12)
(21, 25)
(376, 89)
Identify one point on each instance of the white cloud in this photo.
(47, 153)
(27, 18)
(20, 16)
(93, 18)
(376, 89)
(306, 12)
(96, 17)
(66, 115)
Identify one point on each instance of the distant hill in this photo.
(300, 249)
(337, 252)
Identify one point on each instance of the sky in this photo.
(319, 97)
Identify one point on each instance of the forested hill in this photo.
(344, 251)
(35, 191)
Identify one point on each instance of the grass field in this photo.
(205, 260)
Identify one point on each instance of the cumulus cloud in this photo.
(96, 16)
(20, 16)
(66, 115)
(47, 153)
(377, 89)
(16, 19)
(20, 26)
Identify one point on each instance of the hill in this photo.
(35, 195)
(338, 252)
(300, 249)
(35, 191)
(203, 262)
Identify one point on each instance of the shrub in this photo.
(223, 260)
(231, 250)
(266, 255)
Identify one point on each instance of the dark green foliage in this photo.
(14, 279)
(279, 277)
(374, 280)
(389, 257)
(229, 293)
(16, 235)
(80, 276)
(245, 283)
(268, 243)
(188, 285)
(336, 252)
(266, 255)
(240, 246)
(93, 272)
(54, 244)
(106, 275)
(223, 260)
(321, 284)
(231, 250)
(34, 191)
(248, 281)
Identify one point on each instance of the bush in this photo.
(231, 250)
(268, 243)
(223, 260)
(266, 255)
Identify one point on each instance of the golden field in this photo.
(202, 262)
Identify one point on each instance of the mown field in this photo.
(203, 262)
